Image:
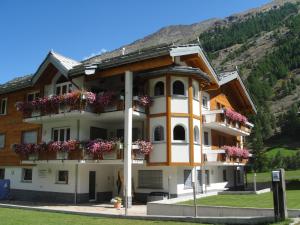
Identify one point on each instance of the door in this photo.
(92, 186)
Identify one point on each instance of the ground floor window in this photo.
(152, 179)
(27, 175)
(187, 176)
(2, 174)
(62, 177)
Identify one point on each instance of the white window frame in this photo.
(198, 135)
(207, 97)
(57, 177)
(4, 140)
(23, 175)
(185, 134)
(59, 129)
(154, 128)
(155, 87)
(30, 131)
(34, 93)
(195, 92)
(69, 87)
(184, 89)
(5, 109)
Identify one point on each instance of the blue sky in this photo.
(81, 28)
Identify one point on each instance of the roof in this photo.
(64, 64)
(180, 70)
(226, 77)
(16, 84)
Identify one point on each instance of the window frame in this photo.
(184, 91)
(24, 173)
(4, 140)
(160, 182)
(185, 134)
(163, 134)
(34, 93)
(58, 181)
(196, 138)
(208, 141)
(59, 129)
(3, 112)
(205, 105)
(26, 131)
(195, 92)
(163, 90)
(69, 88)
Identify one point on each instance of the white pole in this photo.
(254, 182)
(128, 138)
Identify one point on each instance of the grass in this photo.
(257, 201)
(27, 217)
(266, 177)
(271, 153)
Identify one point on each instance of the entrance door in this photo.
(92, 185)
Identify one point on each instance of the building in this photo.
(194, 123)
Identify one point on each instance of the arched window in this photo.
(179, 133)
(178, 88)
(159, 133)
(196, 135)
(159, 89)
(195, 92)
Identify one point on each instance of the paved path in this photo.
(136, 210)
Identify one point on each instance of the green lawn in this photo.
(266, 177)
(271, 153)
(26, 217)
(257, 201)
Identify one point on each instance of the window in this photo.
(2, 140)
(178, 88)
(136, 134)
(179, 133)
(159, 89)
(152, 179)
(63, 88)
(187, 175)
(62, 177)
(205, 102)
(29, 137)
(196, 135)
(27, 175)
(207, 177)
(2, 174)
(224, 175)
(159, 133)
(206, 138)
(61, 134)
(195, 92)
(3, 106)
(33, 96)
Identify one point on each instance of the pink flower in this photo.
(145, 147)
(235, 116)
(145, 100)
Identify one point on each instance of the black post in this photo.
(279, 196)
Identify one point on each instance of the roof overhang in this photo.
(235, 76)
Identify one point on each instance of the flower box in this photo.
(110, 155)
(62, 155)
(33, 156)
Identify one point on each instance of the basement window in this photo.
(62, 177)
(27, 175)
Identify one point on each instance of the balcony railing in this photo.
(218, 120)
(78, 102)
(221, 157)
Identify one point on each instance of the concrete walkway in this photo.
(105, 209)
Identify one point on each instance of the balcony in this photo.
(82, 155)
(217, 120)
(108, 108)
(222, 157)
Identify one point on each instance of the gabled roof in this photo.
(62, 63)
(227, 77)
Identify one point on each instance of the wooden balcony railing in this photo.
(223, 158)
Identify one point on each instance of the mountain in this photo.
(264, 43)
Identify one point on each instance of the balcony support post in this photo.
(128, 139)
